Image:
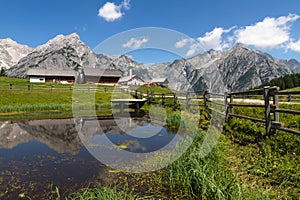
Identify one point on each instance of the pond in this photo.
(38, 156)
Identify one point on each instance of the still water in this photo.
(36, 157)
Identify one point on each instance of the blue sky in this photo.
(271, 26)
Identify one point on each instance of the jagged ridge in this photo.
(237, 68)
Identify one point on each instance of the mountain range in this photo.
(238, 68)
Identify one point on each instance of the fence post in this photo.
(276, 104)
(175, 99)
(187, 101)
(226, 106)
(163, 99)
(141, 94)
(267, 109)
(231, 102)
(148, 96)
(205, 99)
(289, 98)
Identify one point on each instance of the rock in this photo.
(11, 52)
(238, 68)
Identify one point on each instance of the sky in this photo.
(190, 26)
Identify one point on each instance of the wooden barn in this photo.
(51, 76)
(102, 76)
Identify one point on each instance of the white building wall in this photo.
(37, 79)
(135, 81)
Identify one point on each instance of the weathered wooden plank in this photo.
(288, 92)
(216, 94)
(247, 105)
(295, 112)
(249, 118)
(256, 91)
(217, 103)
(289, 130)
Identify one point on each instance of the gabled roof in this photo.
(159, 80)
(72, 73)
(128, 78)
(51, 72)
(102, 72)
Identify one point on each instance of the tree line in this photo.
(284, 82)
(2, 71)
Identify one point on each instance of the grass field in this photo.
(154, 89)
(242, 165)
(267, 164)
(44, 98)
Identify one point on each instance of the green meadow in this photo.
(242, 165)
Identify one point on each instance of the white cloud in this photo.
(214, 39)
(183, 42)
(211, 40)
(135, 43)
(295, 46)
(267, 34)
(193, 49)
(126, 4)
(111, 12)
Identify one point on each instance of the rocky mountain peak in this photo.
(11, 52)
(7, 41)
(239, 45)
(237, 68)
(62, 52)
(293, 64)
(63, 41)
(10, 43)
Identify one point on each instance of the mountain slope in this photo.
(293, 64)
(243, 68)
(238, 68)
(62, 52)
(11, 52)
(68, 52)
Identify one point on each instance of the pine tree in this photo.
(2, 72)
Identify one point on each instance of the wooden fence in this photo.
(266, 98)
(270, 104)
(55, 87)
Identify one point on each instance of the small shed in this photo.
(102, 76)
(160, 81)
(51, 75)
(131, 80)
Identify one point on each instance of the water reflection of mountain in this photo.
(61, 135)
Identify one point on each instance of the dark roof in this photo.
(72, 73)
(51, 72)
(102, 72)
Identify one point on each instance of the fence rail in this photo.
(266, 98)
(271, 106)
